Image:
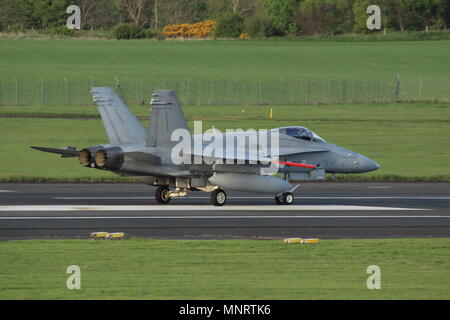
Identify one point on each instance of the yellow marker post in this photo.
(270, 114)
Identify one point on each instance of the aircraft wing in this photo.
(65, 153)
(242, 157)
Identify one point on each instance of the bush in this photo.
(260, 27)
(63, 31)
(229, 26)
(197, 30)
(127, 31)
(149, 34)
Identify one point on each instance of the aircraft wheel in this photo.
(284, 198)
(162, 194)
(288, 198)
(218, 197)
(279, 199)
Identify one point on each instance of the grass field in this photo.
(229, 269)
(55, 59)
(55, 72)
(409, 140)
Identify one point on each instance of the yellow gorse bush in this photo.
(185, 30)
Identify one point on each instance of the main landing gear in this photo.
(163, 195)
(285, 198)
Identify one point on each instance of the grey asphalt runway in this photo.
(324, 210)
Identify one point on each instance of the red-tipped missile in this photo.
(295, 164)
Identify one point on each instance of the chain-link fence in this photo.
(228, 92)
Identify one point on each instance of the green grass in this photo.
(411, 141)
(205, 60)
(228, 269)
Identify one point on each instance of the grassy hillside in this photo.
(409, 140)
(226, 269)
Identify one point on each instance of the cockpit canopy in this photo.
(300, 133)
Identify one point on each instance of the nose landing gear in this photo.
(218, 197)
(285, 198)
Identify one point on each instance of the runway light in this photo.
(310, 241)
(115, 236)
(293, 240)
(99, 235)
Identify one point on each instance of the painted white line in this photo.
(215, 217)
(380, 187)
(5, 191)
(231, 197)
(32, 208)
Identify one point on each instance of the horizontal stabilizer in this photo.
(65, 153)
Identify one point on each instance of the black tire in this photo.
(279, 199)
(161, 195)
(218, 197)
(288, 198)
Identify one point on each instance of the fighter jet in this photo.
(168, 156)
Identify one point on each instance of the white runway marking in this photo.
(32, 208)
(215, 217)
(238, 198)
(5, 191)
(380, 187)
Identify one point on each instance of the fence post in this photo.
(353, 90)
(67, 90)
(306, 92)
(420, 89)
(188, 92)
(330, 91)
(213, 100)
(236, 98)
(260, 92)
(17, 91)
(42, 91)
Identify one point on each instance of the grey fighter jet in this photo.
(276, 161)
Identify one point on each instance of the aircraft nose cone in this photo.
(368, 164)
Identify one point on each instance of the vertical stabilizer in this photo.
(121, 125)
(166, 116)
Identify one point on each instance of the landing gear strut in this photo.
(284, 198)
(162, 194)
(218, 197)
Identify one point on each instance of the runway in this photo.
(324, 210)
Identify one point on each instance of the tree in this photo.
(178, 12)
(136, 11)
(282, 13)
(229, 26)
(325, 16)
(99, 14)
(14, 14)
(49, 13)
(428, 11)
